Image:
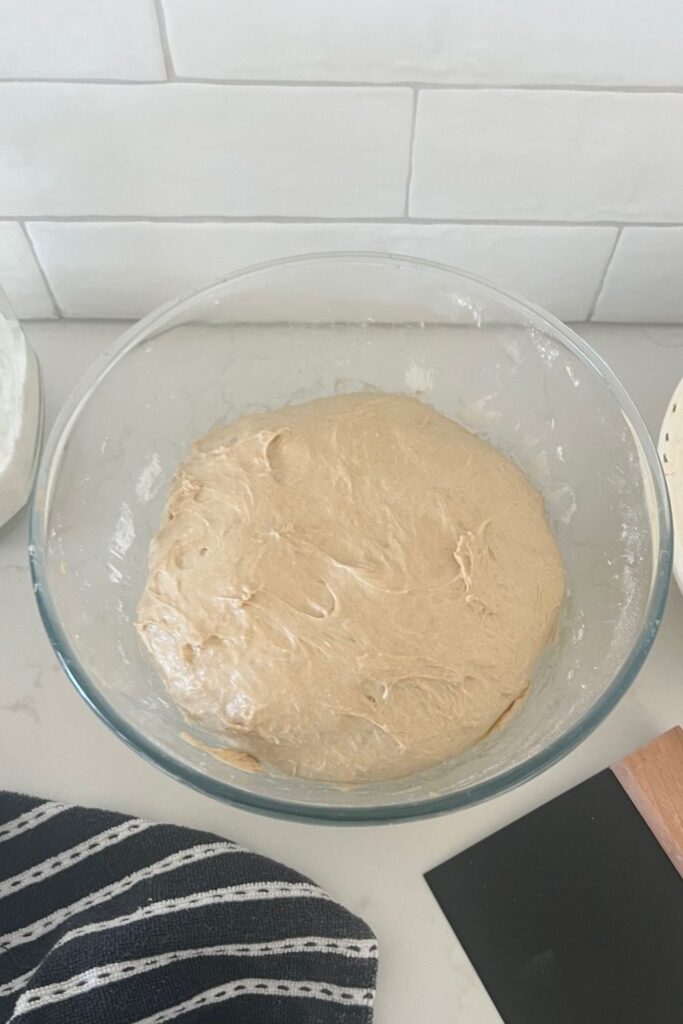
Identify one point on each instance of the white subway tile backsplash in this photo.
(645, 278)
(498, 42)
(80, 39)
(125, 270)
(539, 155)
(152, 145)
(176, 150)
(20, 277)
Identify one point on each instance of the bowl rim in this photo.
(291, 809)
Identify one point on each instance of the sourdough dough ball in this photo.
(351, 589)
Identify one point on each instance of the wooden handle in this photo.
(653, 778)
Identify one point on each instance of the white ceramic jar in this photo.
(21, 413)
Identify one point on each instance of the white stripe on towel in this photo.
(68, 858)
(30, 819)
(106, 974)
(265, 987)
(229, 894)
(11, 986)
(170, 863)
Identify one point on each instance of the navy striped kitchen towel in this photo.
(109, 918)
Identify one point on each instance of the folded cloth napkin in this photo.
(107, 918)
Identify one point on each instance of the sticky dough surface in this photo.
(351, 589)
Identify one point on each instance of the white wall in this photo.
(148, 147)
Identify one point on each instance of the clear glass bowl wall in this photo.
(299, 329)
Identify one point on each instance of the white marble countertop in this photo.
(51, 744)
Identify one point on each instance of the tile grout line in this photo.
(279, 220)
(601, 283)
(165, 44)
(176, 79)
(41, 270)
(411, 154)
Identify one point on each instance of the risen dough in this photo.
(351, 589)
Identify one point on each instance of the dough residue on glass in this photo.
(351, 589)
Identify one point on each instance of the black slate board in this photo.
(571, 915)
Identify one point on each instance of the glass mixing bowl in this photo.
(301, 328)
